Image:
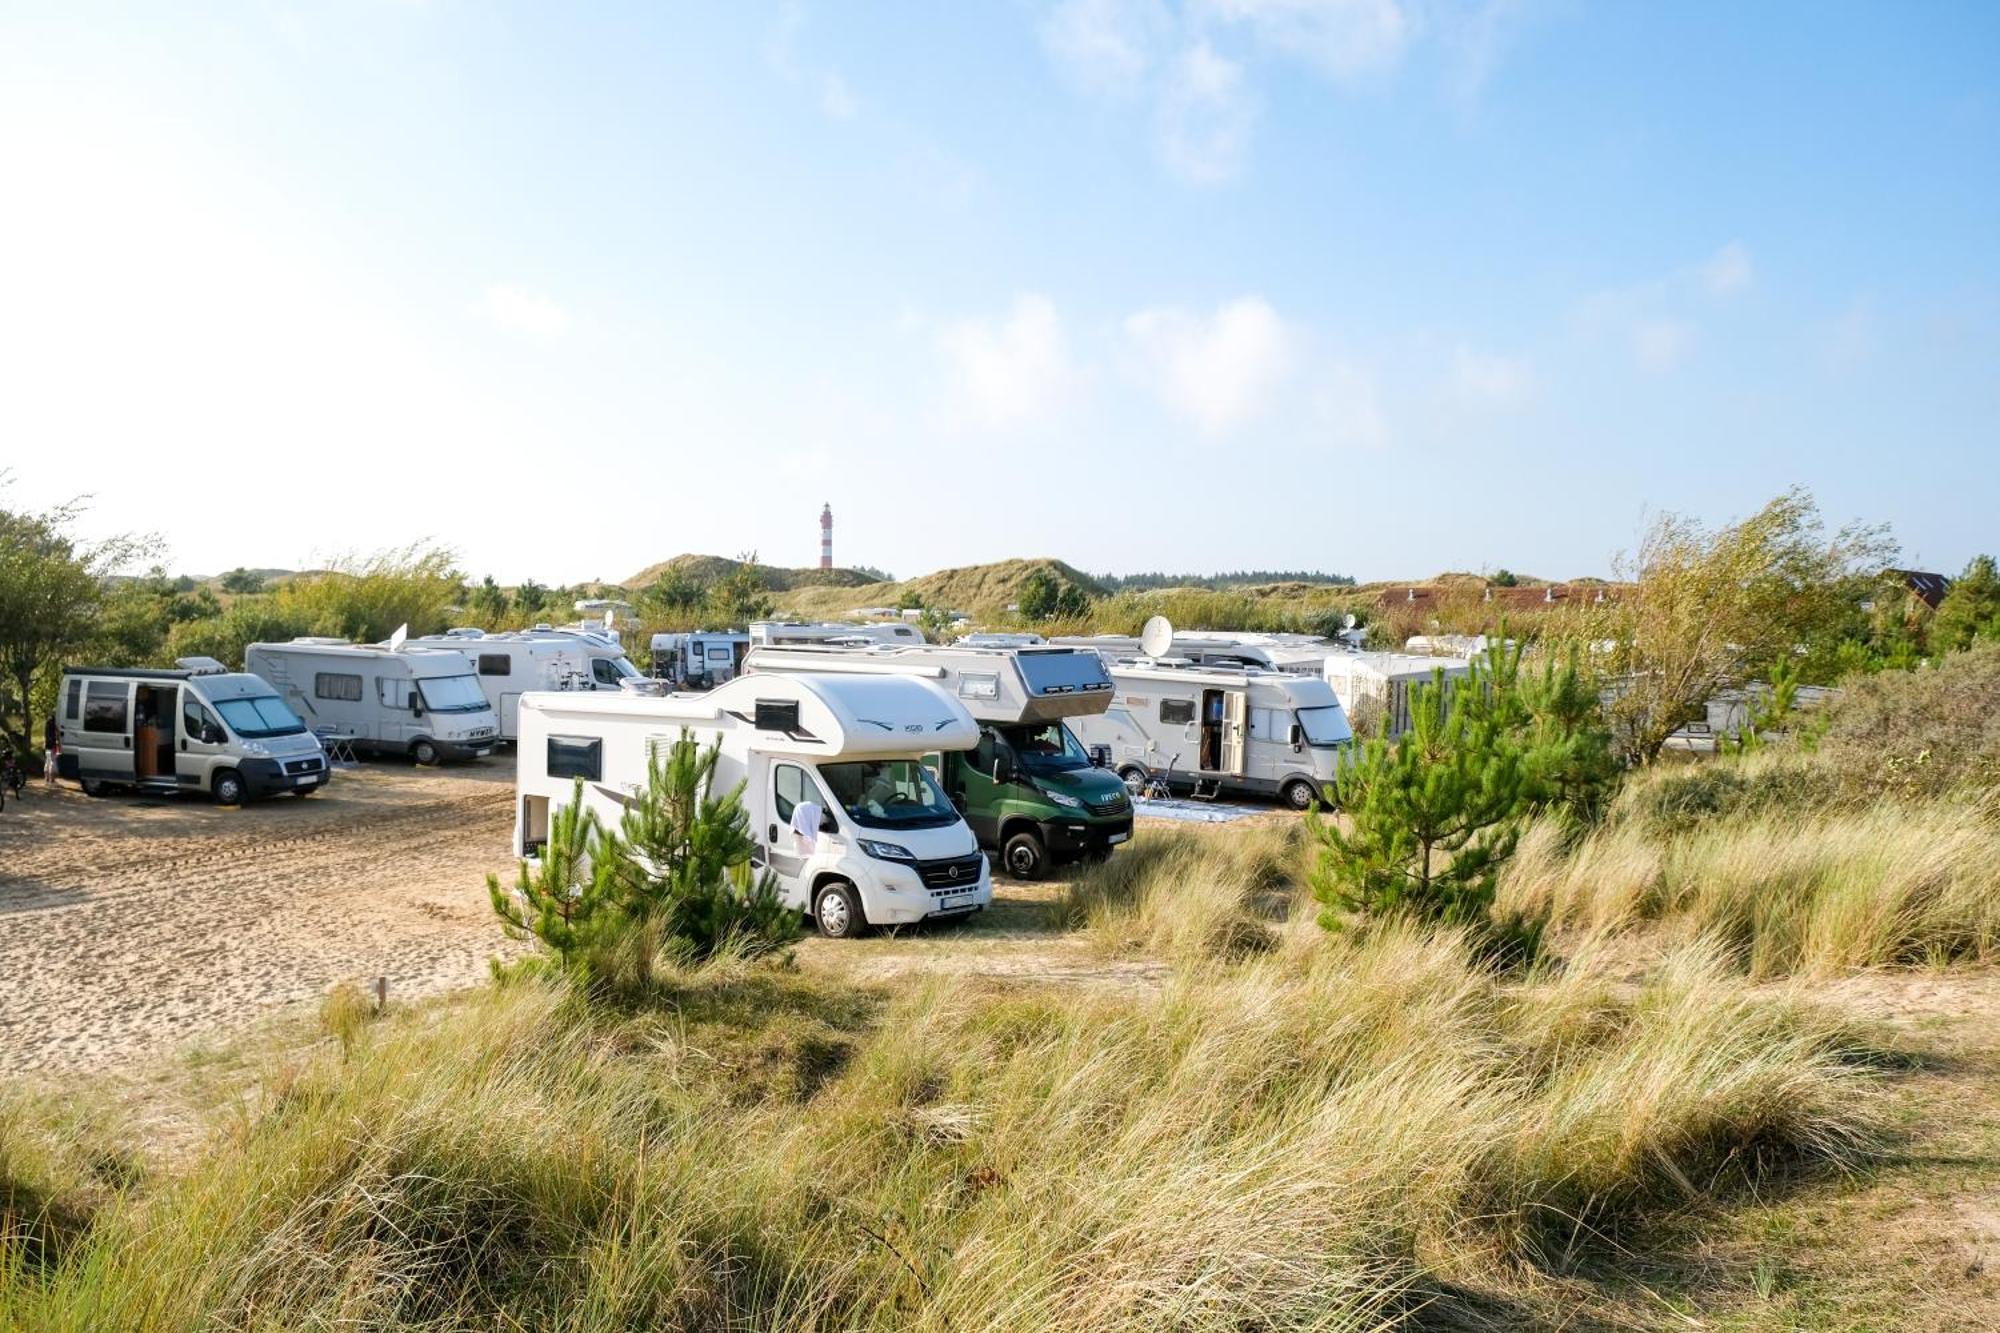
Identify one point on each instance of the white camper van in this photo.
(510, 665)
(890, 847)
(200, 728)
(604, 657)
(422, 702)
(1214, 730)
(699, 659)
(1030, 790)
(797, 633)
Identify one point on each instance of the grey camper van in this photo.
(197, 727)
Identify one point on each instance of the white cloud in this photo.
(1660, 345)
(1205, 117)
(1490, 380)
(1106, 46)
(523, 312)
(1349, 407)
(834, 97)
(1727, 270)
(1218, 371)
(1347, 40)
(1012, 371)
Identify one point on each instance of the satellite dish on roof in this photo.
(1157, 638)
(396, 639)
(1347, 621)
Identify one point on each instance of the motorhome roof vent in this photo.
(201, 666)
(465, 632)
(777, 715)
(321, 641)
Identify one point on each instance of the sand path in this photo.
(132, 924)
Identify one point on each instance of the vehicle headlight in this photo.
(884, 851)
(1061, 799)
(256, 749)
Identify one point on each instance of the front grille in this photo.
(954, 875)
(1117, 805)
(298, 766)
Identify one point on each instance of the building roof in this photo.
(1928, 587)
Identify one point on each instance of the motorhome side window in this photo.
(1176, 711)
(75, 700)
(789, 786)
(194, 718)
(604, 670)
(495, 664)
(392, 693)
(978, 685)
(337, 685)
(104, 707)
(576, 757)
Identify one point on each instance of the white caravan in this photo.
(700, 659)
(422, 702)
(1030, 790)
(890, 848)
(510, 665)
(1374, 688)
(798, 633)
(1214, 729)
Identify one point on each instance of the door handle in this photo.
(125, 741)
(773, 834)
(184, 743)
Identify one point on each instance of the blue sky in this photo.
(1379, 286)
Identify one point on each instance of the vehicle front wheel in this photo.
(1025, 857)
(1134, 778)
(92, 787)
(228, 788)
(425, 753)
(1300, 794)
(837, 911)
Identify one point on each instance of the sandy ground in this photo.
(130, 925)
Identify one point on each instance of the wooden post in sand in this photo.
(381, 994)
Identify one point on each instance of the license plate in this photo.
(304, 782)
(481, 754)
(955, 902)
(1117, 838)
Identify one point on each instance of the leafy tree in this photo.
(1505, 578)
(1971, 610)
(1711, 609)
(911, 600)
(243, 581)
(1046, 597)
(51, 597)
(367, 599)
(1434, 815)
(488, 604)
(223, 637)
(740, 596)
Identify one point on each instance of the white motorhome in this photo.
(890, 847)
(422, 702)
(510, 665)
(199, 728)
(1214, 730)
(699, 659)
(604, 656)
(798, 633)
(1030, 790)
(1296, 654)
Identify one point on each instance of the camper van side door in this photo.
(201, 739)
(790, 855)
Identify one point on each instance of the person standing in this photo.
(51, 747)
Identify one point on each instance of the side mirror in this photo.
(416, 705)
(1298, 736)
(211, 735)
(1100, 756)
(827, 823)
(1003, 767)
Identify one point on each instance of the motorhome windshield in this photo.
(259, 716)
(452, 694)
(1324, 725)
(889, 793)
(1046, 749)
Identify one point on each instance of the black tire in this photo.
(1300, 794)
(425, 753)
(227, 787)
(92, 787)
(837, 911)
(1024, 856)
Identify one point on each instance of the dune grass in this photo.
(1301, 1138)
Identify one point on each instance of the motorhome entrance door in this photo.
(787, 852)
(1235, 724)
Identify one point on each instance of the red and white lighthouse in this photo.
(826, 537)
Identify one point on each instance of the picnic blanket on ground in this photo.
(1195, 812)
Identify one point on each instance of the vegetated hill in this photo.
(974, 589)
(711, 568)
